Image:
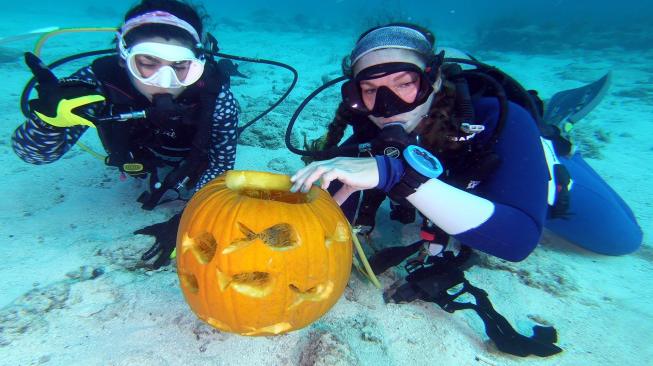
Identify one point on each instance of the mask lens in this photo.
(386, 102)
(164, 65)
(351, 97)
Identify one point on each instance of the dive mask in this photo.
(386, 102)
(188, 64)
(190, 67)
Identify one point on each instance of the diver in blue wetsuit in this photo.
(495, 191)
(468, 151)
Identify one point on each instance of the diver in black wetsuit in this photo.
(190, 124)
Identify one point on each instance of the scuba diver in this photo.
(160, 105)
(467, 149)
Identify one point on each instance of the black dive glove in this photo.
(165, 235)
(60, 100)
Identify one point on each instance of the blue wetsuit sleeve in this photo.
(37, 142)
(224, 137)
(518, 188)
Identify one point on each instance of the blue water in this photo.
(60, 221)
(442, 17)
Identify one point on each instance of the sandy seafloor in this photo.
(60, 222)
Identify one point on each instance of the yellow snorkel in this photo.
(41, 41)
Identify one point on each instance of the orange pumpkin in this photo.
(255, 259)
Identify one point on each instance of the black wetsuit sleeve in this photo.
(37, 142)
(224, 136)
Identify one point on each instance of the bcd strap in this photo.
(388, 257)
(403, 212)
(561, 144)
(560, 208)
(432, 284)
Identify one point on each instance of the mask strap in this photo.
(160, 17)
(433, 67)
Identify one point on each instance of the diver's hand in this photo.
(165, 238)
(60, 100)
(355, 174)
(59, 104)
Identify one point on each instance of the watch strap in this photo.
(408, 184)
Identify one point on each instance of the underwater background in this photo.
(73, 290)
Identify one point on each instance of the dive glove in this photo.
(165, 239)
(61, 101)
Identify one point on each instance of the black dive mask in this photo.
(386, 103)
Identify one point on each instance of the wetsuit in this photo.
(37, 142)
(599, 220)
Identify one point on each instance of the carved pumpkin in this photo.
(255, 259)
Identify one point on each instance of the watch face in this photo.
(423, 161)
(428, 159)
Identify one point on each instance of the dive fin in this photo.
(569, 106)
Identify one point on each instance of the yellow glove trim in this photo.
(65, 117)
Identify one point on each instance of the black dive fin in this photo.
(568, 107)
(392, 256)
(440, 284)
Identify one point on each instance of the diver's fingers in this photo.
(304, 178)
(343, 193)
(314, 176)
(162, 260)
(329, 176)
(340, 168)
(306, 170)
(300, 176)
(156, 248)
(303, 174)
